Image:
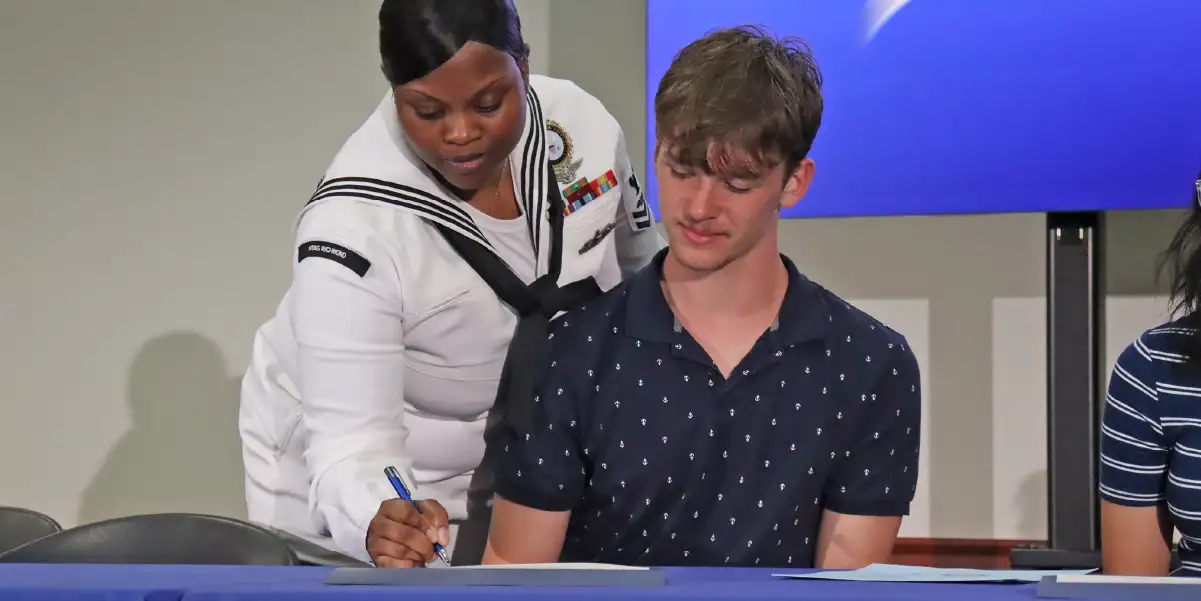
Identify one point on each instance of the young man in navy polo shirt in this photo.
(718, 408)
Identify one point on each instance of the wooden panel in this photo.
(984, 554)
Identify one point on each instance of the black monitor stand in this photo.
(1075, 392)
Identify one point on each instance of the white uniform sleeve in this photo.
(637, 239)
(347, 320)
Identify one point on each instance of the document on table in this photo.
(883, 572)
(1120, 588)
(1111, 579)
(537, 574)
(553, 566)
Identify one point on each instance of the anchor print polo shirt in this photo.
(662, 461)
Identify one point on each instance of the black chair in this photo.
(19, 526)
(311, 554)
(166, 538)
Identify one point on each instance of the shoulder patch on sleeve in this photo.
(639, 213)
(336, 253)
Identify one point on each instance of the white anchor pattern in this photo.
(660, 467)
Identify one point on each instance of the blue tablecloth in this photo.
(67, 582)
(222, 583)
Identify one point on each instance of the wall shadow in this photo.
(182, 452)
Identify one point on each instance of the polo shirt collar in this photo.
(803, 315)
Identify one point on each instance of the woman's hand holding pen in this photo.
(400, 536)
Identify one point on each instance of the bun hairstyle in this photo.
(418, 36)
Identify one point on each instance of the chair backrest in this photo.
(19, 526)
(166, 538)
(312, 554)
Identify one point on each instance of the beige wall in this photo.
(155, 153)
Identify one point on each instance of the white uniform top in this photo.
(388, 347)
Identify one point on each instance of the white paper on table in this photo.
(883, 572)
(1112, 579)
(553, 566)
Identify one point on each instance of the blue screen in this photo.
(980, 106)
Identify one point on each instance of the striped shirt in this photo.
(1151, 435)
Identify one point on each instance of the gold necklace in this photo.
(500, 182)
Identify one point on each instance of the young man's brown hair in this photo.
(738, 102)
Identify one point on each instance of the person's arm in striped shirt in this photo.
(1136, 530)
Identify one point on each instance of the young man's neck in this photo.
(751, 286)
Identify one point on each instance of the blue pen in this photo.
(403, 491)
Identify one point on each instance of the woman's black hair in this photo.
(418, 36)
(1182, 263)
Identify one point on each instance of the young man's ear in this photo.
(796, 184)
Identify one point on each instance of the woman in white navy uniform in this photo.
(475, 203)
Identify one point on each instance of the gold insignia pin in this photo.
(559, 150)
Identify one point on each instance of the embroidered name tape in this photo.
(579, 194)
(334, 252)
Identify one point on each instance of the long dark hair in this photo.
(418, 36)
(1181, 262)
